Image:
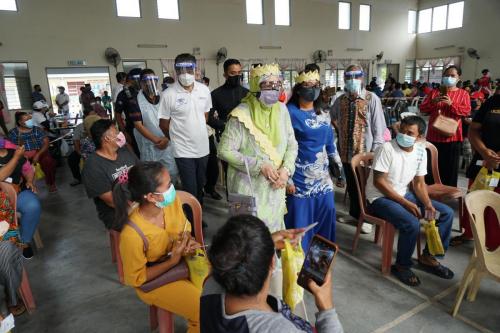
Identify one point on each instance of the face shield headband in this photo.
(185, 67)
(354, 75)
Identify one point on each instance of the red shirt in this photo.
(460, 107)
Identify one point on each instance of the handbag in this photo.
(176, 273)
(242, 204)
(446, 126)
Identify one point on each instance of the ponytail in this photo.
(121, 198)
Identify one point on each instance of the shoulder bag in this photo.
(446, 126)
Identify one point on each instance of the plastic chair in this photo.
(483, 263)
(440, 192)
(384, 232)
(26, 294)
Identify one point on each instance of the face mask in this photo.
(405, 141)
(121, 140)
(309, 94)
(449, 81)
(473, 104)
(186, 79)
(353, 86)
(168, 197)
(234, 81)
(28, 123)
(269, 97)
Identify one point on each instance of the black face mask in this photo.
(473, 104)
(234, 81)
(309, 94)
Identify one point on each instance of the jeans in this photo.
(352, 190)
(409, 225)
(193, 175)
(29, 206)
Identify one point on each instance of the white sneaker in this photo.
(366, 228)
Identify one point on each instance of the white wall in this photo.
(479, 31)
(49, 33)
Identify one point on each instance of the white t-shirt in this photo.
(61, 98)
(116, 90)
(186, 111)
(38, 118)
(401, 167)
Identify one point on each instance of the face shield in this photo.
(149, 85)
(354, 81)
(186, 73)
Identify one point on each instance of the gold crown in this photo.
(271, 69)
(306, 77)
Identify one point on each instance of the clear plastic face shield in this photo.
(354, 81)
(149, 84)
(186, 73)
(135, 80)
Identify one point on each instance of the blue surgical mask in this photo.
(168, 197)
(269, 97)
(449, 81)
(28, 123)
(353, 86)
(405, 141)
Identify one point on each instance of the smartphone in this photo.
(319, 258)
(443, 90)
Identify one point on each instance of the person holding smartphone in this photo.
(236, 297)
(396, 164)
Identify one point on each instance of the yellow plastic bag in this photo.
(485, 180)
(199, 267)
(433, 239)
(38, 171)
(292, 259)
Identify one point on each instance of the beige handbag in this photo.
(446, 126)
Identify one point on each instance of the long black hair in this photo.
(241, 255)
(143, 178)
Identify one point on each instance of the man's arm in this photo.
(165, 127)
(107, 197)
(382, 184)
(420, 189)
(378, 125)
(146, 133)
(490, 156)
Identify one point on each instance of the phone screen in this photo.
(318, 259)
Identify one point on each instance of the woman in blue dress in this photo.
(310, 190)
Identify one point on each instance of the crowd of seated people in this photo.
(283, 155)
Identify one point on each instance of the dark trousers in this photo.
(133, 143)
(74, 165)
(193, 175)
(352, 190)
(212, 167)
(448, 158)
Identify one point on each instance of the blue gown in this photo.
(313, 200)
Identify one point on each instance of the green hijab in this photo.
(265, 118)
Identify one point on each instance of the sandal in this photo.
(438, 270)
(406, 276)
(18, 309)
(459, 240)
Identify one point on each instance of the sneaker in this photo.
(75, 183)
(366, 228)
(28, 252)
(215, 195)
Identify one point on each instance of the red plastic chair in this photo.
(24, 288)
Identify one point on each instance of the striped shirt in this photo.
(460, 107)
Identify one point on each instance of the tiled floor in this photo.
(76, 287)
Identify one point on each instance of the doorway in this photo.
(383, 71)
(73, 78)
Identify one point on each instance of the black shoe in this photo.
(216, 196)
(28, 252)
(75, 183)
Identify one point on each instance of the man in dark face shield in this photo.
(126, 105)
(152, 143)
(224, 99)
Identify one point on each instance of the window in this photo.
(17, 85)
(8, 5)
(344, 15)
(439, 18)
(282, 12)
(334, 78)
(364, 17)
(412, 21)
(128, 8)
(455, 15)
(254, 12)
(409, 70)
(168, 9)
(131, 64)
(424, 20)
(288, 77)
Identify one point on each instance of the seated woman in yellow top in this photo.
(160, 217)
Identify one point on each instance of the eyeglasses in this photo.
(271, 85)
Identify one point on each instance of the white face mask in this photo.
(186, 79)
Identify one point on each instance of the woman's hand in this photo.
(446, 99)
(179, 248)
(19, 152)
(191, 246)
(36, 158)
(290, 189)
(491, 159)
(268, 171)
(294, 235)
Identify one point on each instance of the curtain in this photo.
(3, 96)
(168, 66)
(420, 62)
(345, 62)
(332, 63)
(433, 62)
(457, 60)
(447, 61)
(365, 63)
(246, 63)
(297, 64)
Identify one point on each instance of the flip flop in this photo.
(406, 276)
(439, 270)
(459, 240)
(18, 309)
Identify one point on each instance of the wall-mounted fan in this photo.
(319, 56)
(473, 53)
(221, 55)
(112, 56)
(378, 57)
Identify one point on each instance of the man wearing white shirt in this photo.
(121, 77)
(396, 165)
(183, 113)
(62, 101)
